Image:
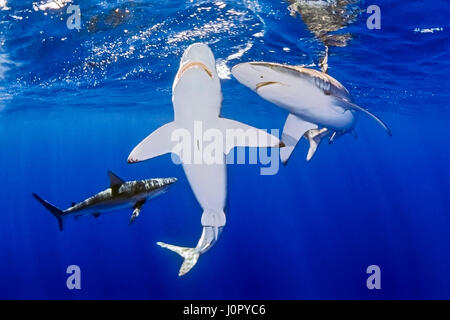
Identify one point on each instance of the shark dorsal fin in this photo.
(114, 180)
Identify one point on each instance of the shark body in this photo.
(197, 99)
(319, 106)
(120, 195)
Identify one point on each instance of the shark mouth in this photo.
(194, 64)
(265, 83)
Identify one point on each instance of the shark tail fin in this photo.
(58, 213)
(190, 256)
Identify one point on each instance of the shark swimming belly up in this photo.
(318, 105)
(197, 100)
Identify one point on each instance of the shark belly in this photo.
(100, 208)
(197, 125)
(209, 184)
(332, 117)
(310, 104)
(197, 112)
(113, 204)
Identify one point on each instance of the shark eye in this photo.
(261, 77)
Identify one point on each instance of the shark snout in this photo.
(169, 181)
(254, 75)
(194, 64)
(198, 56)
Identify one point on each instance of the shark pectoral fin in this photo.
(293, 130)
(239, 134)
(157, 143)
(350, 105)
(135, 214)
(190, 256)
(314, 137)
(137, 210)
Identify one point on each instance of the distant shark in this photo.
(327, 21)
(324, 18)
(319, 105)
(197, 98)
(121, 194)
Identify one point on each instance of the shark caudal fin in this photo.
(58, 213)
(190, 256)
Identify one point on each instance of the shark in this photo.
(120, 195)
(197, 99)
(319, 105)
(327, 20)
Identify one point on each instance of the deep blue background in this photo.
(74, 104)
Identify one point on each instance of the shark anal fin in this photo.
(239, 134)
(114, 180)
(293, 130)
(333, 137)
(337, 134)
(157, 143)
(96, 215)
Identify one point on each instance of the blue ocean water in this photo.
(73, 104)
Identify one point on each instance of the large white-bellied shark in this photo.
(197, 99)
(121, 194)
(319, 105)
